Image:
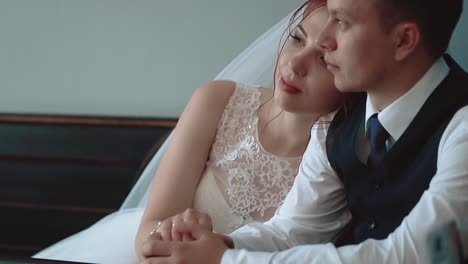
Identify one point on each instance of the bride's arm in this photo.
(184, 161)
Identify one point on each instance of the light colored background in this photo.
(129, 58)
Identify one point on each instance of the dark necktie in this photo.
(377, 137)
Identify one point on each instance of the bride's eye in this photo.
(295, 37)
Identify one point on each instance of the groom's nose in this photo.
(326, 39)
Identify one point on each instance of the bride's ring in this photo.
(156, 228)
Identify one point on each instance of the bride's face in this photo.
(303, 83)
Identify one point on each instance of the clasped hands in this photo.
(185, 238)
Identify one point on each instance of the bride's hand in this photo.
(168, 229)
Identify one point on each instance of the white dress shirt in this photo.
(315, 209)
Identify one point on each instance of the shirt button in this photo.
(371, 223)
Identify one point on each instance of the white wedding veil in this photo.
(255, 65)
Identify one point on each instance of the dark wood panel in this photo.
(61, 174)
(77, 142)
(65, 183)
(27, 260)
(87, 120)
(28, 230)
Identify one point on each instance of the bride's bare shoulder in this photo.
(212, 97)
(217, 88)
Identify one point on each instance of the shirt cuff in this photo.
(234, 256)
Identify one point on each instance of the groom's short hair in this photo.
(436, 19)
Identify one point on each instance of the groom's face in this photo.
(357, 49)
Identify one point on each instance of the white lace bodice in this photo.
(249, 182)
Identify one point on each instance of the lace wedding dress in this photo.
(242, 182)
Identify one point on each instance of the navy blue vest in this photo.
(379, 199)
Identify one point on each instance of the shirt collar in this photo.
(396, 117)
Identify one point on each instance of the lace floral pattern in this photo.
(258, 180)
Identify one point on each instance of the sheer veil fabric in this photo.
(111, 240)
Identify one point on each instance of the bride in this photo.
(235, 150)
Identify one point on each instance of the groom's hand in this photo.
(207, 247)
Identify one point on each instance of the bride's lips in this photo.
(330, 66)
(291, 89)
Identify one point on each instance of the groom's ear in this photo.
(406, 39)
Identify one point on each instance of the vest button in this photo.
(371, 223)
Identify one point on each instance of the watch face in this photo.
(445, 244)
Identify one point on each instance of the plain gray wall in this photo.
(129, 58)
(459, 45)
(114, 57)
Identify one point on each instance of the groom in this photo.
(389, 171)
